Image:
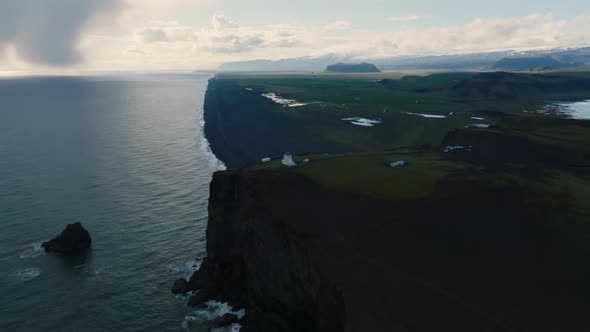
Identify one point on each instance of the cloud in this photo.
(152, 35)
(337, 25)
(221, 23)
(225, 36)
(234, 43)
(283, 34)
(47, 31)
(159, 7)
(136, 51)
(407, 18)
(479, 35)
(223, 39)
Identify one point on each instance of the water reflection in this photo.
(578, 110)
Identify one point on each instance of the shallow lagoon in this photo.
(578, 110)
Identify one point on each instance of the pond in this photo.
(577, 110)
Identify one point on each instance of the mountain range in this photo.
(500, 60)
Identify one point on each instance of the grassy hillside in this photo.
(543, 163)
(493, 237)
(244, 126)
(487, 228)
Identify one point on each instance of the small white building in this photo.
(288, 160)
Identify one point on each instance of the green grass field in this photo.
(455, 98)
(549, 171)
(502, 224)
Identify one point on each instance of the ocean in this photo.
(127, 157)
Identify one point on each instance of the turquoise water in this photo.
(127, 158)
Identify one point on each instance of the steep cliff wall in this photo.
(470, 257)
(279, 283)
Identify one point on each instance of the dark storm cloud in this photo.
(47, 31)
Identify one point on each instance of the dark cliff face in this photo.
(238, 126)
(300, 257)
(280, 284)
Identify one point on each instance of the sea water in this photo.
(127, 157)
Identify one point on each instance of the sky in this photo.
(79, 36)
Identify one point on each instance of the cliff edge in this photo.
(468, 256)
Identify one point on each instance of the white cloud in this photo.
(162, 7)
(233, 43)
(152, 35)
(225, 40)
(145, 35)
(529, 32)
(337, 25)
(220, 23)
(283, 33)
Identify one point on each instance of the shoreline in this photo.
(206, 147)
(345, 243)
(243, 127)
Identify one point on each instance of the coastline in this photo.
(206, 146)
(295, 247)
(243, 127)
(299, 256)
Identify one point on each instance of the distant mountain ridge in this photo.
(293, 64)
(524, 63)
(364, 67)
(505, 60)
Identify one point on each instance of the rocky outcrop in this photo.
(180, 286)
(299, 256)
(226, 320)
(74, 240)
(258, 263)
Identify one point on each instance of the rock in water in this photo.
(180, 287)
(201, 297)
(73, 240)
(226, 320)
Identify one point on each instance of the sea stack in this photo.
(74, 240)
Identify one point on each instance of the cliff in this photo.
(259, 259)
(301, 256)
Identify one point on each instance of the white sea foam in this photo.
(206, 147)
(478, 125)
(362, 122)
(232, 328)
(199, 318)
(32, 251)
(28, 274)
(477, 118)
(186, 269)
(185, 297)
(283, 101)
(249, 89)
(433, 116)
